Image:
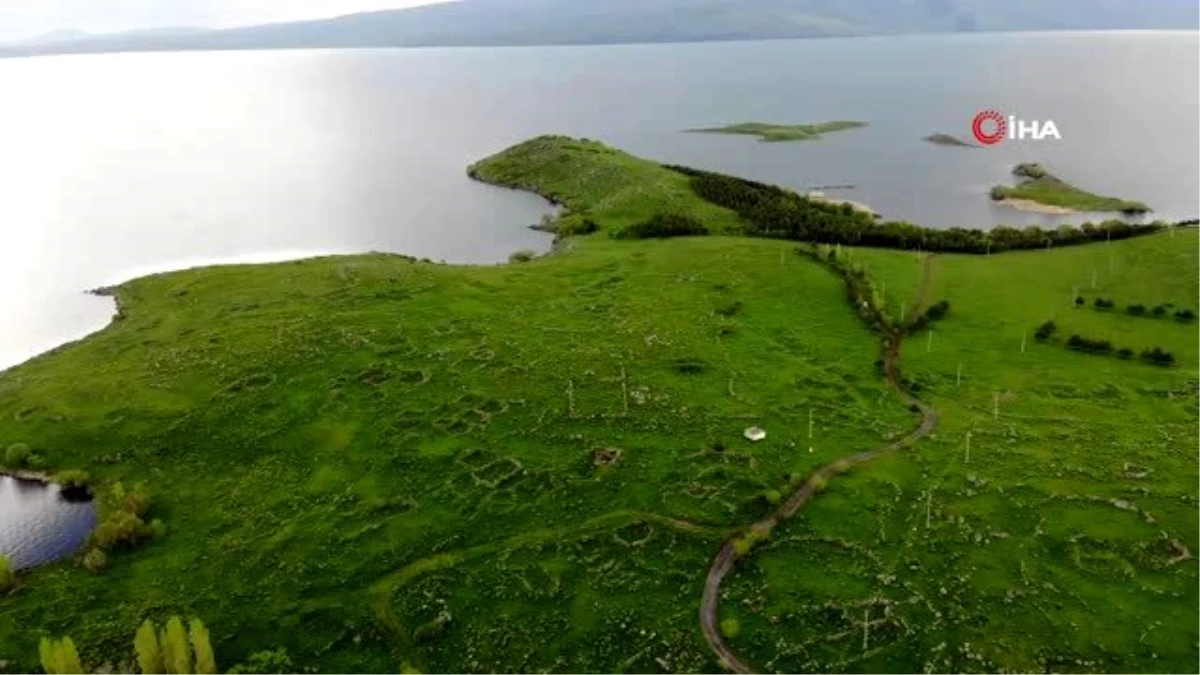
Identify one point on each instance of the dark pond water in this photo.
(38, 524)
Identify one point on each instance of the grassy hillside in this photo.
(1060, 539)
(378, 463)
(597, 183)
(347, 449)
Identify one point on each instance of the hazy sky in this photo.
(20, 19)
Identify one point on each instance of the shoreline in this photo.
(1030, 206)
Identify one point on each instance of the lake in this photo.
(38, 524)
(117, 165)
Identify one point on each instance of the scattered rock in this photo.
(755, 434)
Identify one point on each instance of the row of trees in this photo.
(771, 211)
(1138, 309)
(1154, 355)
(663, 225)
(173, 648)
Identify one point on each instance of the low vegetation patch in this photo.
(1036, 184)
(782, 132)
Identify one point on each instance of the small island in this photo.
(947, 139)
(775, 133)
(1040, 191)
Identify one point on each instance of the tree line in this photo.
(172, 648)
(1154, 355)
(771, 211)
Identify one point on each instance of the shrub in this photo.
(1136, 310)
(1158, 356)
(730, 627)
(73, 478)
(59, 656)
(94, 560)
(664, 225)
(8, 576)
(1044, 331)
(1125, 353)
(119, 527)
(1159, 310)
(938, 311)
(522, 256)
(1185, 315)
(1104, 303)
(1082, 344)
(1079, 301)
(16, 455)
(576, 225)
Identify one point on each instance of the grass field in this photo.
(1036, 184)
(378, 463)
(1056, 541)
(314, 432)
(773, 133)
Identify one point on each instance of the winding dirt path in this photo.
(723, 563)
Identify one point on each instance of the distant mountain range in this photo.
(555, 22)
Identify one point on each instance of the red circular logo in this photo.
(996, 122)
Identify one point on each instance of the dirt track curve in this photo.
(727, 556)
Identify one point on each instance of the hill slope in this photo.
(536, 22)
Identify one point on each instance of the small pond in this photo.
(41, 524)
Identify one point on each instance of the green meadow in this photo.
(378, 463)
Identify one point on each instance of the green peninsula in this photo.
(373, 463)
(1039, 190)
(782, 132)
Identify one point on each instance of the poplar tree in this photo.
(206, 663)
(149, 654)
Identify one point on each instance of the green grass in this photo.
(609, 187)
(344, 449)
(379, 463)
(1048, 547)
(783, 132)
(1038, 185)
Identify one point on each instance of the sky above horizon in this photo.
(27, 19)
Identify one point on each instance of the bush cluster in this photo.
(1082, 344)
(1158, 356)
(664, 225)
(771, 211)
(1045, 331)
(123, 525)
(1153, 355)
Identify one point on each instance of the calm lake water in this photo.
(38, 525)
(116, 165)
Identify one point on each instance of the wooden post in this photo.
(929, 344)
(967, 460)
(1024, 335)
(810, 423)
(958, 375)
(996, 405)
(928, 506)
